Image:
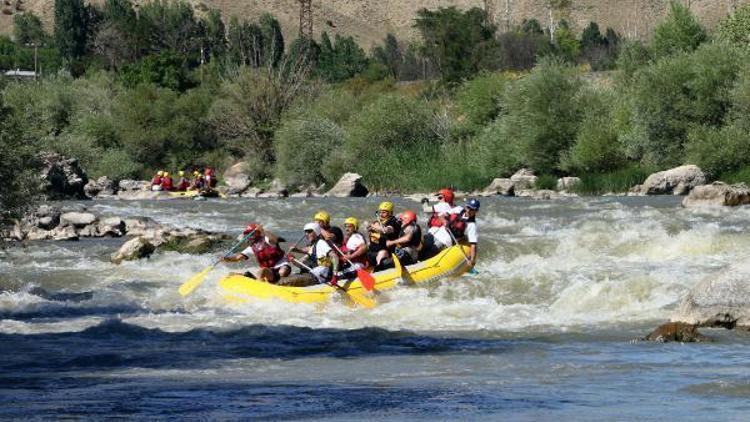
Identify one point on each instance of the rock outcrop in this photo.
(102, 187)
(676, 332)
(62, 178)
(136, 248)
(524, 179)
(677, 181)
(500, 186)
(349, 185)
(717, 194)
(237, 179)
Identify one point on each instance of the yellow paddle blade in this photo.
(192, 284)
(361, 299)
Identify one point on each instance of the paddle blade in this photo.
(192, 284)
(361, 299)
(367, 280)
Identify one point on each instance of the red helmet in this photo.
(252, 227)
(447, 195)
(407, 217)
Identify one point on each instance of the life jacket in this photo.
(183, 185)
(435, 220)
(362, 259)
(266, 254)
(378, 239)
(321, 261)
(416, 238)
(457, 225)
(198, 182)
(166, 183)
(156, 180)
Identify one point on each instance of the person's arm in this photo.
(401, 240)
(234, 258)
(473, 255)
(334, 261)
(361, 250)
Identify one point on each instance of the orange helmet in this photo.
(447, 195)
(407, 217)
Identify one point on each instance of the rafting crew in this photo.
(380, 231)
(264, 245)
(353, 250)
(324, 261)
(330, 233)
(183, 183)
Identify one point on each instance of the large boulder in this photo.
(101, 187)
(349, 185)
(237, 179)
(676, 332)
(77, 219)
(47, 217)
(139, 226)
(718, 301)
(677, 181)
(567, 183)
(500, 186)
(717, 194)
(136, 248)
(134, 185)
(523, 179)
(111, 227)
(62, 177)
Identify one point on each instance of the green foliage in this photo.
(741, 175)
(518, 50)
(215, 41)
(167, 70)
(566, 44)
(71, 28)
(453, 40)
(680, 31)
(633, 56)
(18, 171)
(389, 55)
(542, 113)
(273, 40)
(735, 28)
(169, 25)
(28, 29)
(340, 60)
(591, 36)
(478, 100)
(614, 182)
(546, 181)
(597, 148)
(303, 147)
(675, 94)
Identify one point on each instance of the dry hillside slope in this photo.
(368, 21)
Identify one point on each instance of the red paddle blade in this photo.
(367, 280)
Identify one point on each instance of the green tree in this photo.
(303, 148)
(390, 55)
(735, 28)
(680, 31)
(566, 44)
(591, 36)
(71, 28)
(167, 70)
(453, 40)
(215, 38)
(28, 29)
(19, 189)
(273, 39)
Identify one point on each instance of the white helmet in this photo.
(314, 227)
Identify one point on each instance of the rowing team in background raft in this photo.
(203, 183)
(333, 255)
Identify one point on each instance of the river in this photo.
(545, 330)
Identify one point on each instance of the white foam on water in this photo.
(69, 325)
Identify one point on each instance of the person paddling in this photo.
(197, 181)
(183, 183)
(330, 233)
(264, 245)
(166, 182)
(409, 240)
(354, 249)
(325, 261)
(385, 228)
(156, 181)
(471, 233)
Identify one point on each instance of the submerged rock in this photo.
(718, 194)
(349, 185)
(136, 248)
(676, 332)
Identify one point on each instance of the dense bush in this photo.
(20, 183)
(304, 147)
(679, 32)
(478, 100)
(675, 94)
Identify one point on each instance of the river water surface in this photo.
(545, 330)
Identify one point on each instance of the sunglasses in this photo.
(308, 231)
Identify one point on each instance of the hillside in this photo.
(368, 21)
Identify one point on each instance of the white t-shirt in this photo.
(441, 236)
(471, 232)
(321, 249)
(442, 208)
(354, 242)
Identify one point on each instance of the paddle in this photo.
(196, 280)
(356, 297)
(367, 280)
(402, 272)
(471, 271)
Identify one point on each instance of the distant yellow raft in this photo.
(190, 194)
(448, 263)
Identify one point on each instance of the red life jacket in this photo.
(183, 185)
(266, 254)
(166, 183)
(457, 225)
(156, 180)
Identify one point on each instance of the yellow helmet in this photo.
(196, 173)
(166, 174)
(182, 173)
(322, 216)
(160, 173)
(386, 206)
(353, 221)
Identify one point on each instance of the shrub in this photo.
(679, 32)
(676, 93)
(18, 171)
(546, 181)
(613, 182)
(303, 147)
(499, 154)
(735, 28)
(478, 100)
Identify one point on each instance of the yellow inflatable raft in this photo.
(192, 194)
(450, 262)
